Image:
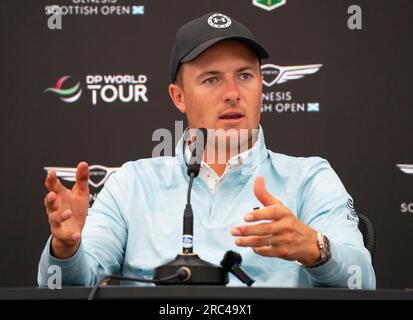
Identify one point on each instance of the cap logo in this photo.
(219, 20)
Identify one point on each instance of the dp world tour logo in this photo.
(269, 4)
(68, 95)
(98, 174)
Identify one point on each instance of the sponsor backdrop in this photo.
(96, 90)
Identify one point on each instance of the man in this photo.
(300, 235)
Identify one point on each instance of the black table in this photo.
(185, 293)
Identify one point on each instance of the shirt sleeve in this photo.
(103, 241)
(328, 208)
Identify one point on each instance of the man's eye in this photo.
(211, 80)
(245, 76)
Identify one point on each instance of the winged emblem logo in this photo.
(280, 74)
(406, 168)
(98, 174)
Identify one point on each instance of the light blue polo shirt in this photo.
(135, 224)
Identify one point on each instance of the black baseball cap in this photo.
(196, 36)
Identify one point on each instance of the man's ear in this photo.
(177, 96)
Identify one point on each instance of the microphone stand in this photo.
(188, 265)
(199, 272)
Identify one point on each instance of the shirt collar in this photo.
(236, 160)
(249, 159)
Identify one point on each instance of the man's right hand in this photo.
(67, 210)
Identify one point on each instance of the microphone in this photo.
(198, 152)
(198, 271)
(194, 167)
(232, 263)
(192, 269)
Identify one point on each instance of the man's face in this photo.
(220, 89)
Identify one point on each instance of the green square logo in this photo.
(269, 4)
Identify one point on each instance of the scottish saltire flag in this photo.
(313, 107)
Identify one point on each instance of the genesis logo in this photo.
(277, 74)
(282, 101)
(406, 168)
(98, 174)
(352, 216)
(67, 95)
(406, 207)
(269, 4)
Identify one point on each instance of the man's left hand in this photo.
(281, 234)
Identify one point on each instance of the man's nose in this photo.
(231, 94)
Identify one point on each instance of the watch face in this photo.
(326, 243)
